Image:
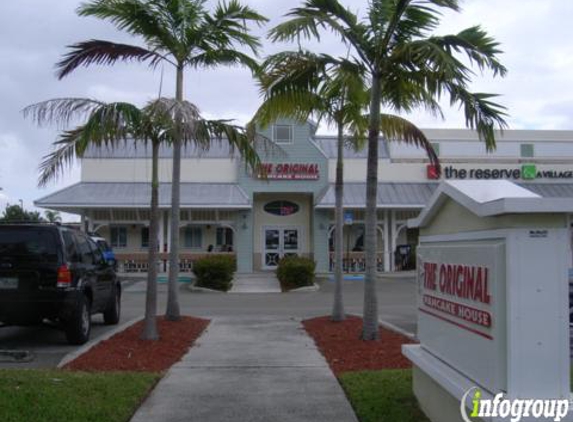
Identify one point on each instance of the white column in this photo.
(570, 243)
(393, 239)
(387, 253)
(168, 219)
(161, 230)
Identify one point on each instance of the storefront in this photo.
(227, 210)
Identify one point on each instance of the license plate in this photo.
(8, 282)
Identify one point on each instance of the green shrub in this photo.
(294, 272)
(215, 272)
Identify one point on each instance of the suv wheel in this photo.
(113, 309)
(78, 327)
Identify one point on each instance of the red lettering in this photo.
(443, 278)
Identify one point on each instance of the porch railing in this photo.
(137, 262)
(354, 262)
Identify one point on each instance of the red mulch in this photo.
(125, 351)
(342, 347)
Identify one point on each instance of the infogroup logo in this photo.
(512, 410)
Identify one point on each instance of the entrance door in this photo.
(279, 242)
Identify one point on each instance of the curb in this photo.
(314, 288)
(392, 327)
(90, 344)
(192, 288)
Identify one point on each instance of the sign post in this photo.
(492, 297)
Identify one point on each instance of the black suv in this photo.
(48, 271)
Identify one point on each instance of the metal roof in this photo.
(328, 145)
(550, 190)
(488, 198)
(390, 195)
(138, 195)
(132, 149)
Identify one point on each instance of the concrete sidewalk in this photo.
(250, 369)
(263, 282)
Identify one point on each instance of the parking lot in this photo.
(47, 345)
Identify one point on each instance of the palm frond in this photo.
(101, 52)
(145, 18)
(481, 114)
(56, 163)
(228, 25)
(316, 15)
(60, 111)
(480, 48)
(397, 129)
(213, 58)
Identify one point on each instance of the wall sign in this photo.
(290, 171)
(525, 172)
(282, 208)
(460, 291)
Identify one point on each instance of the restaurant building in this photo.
(227, 209)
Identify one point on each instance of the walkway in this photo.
(249, 369)
(264, 282)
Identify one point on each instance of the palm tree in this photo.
(300, 84)
(407, 68)
(181, 33)
(111, 124)
(52, 216)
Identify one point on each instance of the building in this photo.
(225, 209)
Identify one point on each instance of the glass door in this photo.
(272, 253)
(279, 242)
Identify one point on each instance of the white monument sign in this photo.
(492, 297)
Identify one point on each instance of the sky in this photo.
(534, 35)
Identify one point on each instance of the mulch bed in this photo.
(125, 351)
(342, 347)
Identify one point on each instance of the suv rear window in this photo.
(28, 241)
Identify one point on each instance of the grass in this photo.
(56, 396)
(382, 396)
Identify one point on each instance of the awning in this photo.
(138, 195)
(417, 195)
(390, 195)
(550, 190)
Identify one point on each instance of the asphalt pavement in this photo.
(47, 345)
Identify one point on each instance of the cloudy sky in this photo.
(535, 35)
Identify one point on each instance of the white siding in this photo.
(139, 170)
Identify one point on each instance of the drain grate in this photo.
(16, 356)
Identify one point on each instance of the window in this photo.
(97, 252)
(84, 249)
(527, 150)
(71, 250)
(224, 236)
(193, 238)
(282, 134)
(145, 237)
(118, 237)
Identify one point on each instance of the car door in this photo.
(88, 270)
(104, 272)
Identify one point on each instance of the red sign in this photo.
(458, 310)
(290, 171)
(432, 172)
(457, 282)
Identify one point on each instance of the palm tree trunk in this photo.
(338, 306)
(150, 323)
(370, 318)
(173, 312)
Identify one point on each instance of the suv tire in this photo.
(112, 311)
(78, 327)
